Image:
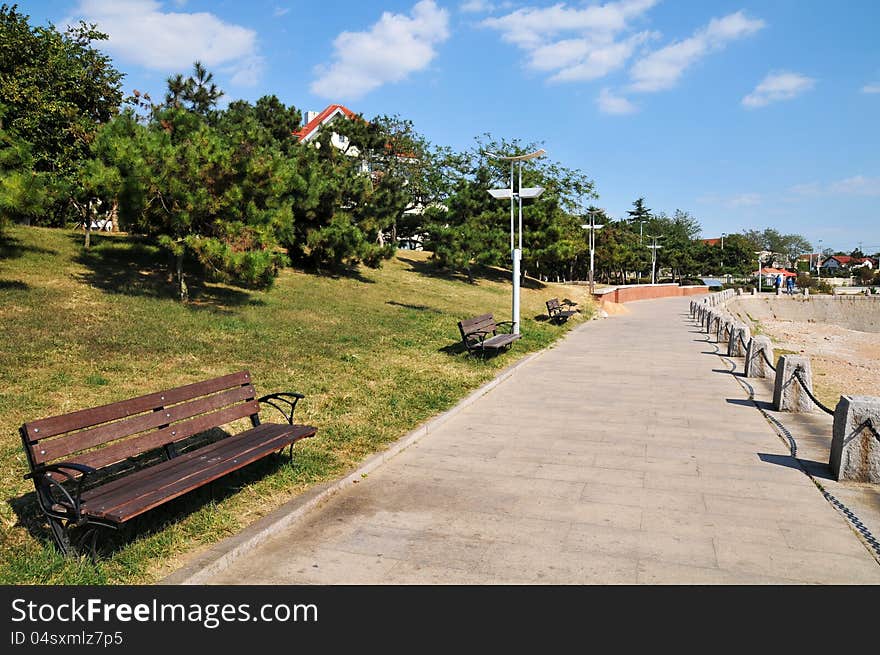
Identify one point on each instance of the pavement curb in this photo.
(221, 554)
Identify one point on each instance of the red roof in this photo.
(711, 242)
(318, 120)
(777, 271)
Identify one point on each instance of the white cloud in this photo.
(662, 68)
(744, 200)
(281, 11)
(389, 51)
(857, 185)
(598, 61)
(574, 44)
(873, 87)
(476, 7)
(781, 85)
(142, 34)
(614, 104)
(737, 201)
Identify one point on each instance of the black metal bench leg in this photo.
(61, 534)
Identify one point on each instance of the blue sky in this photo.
(747, 114)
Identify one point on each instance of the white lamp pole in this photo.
(592, 227)
(654, 247)
(516, 196)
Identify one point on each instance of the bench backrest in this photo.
(469, 327)
(104, 435)
(552, 305)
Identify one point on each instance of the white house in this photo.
(317, 120)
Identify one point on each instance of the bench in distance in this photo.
(480, 334)
(556, 310)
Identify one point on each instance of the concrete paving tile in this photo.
(656, 465)
(620, 542)
(656, 572)
(795, 564)
(617, 515)
(807, 537)
(513, 562)
(702, 524)
(411, 573)
(646, 498)
(819, 511)
(546, 456)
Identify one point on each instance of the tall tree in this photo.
(56, 89)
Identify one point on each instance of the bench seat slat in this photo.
(136, 483)
(137, 445)
(500, 340)
(86, 418)
(52, 449)
(189, 471)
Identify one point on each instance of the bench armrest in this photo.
(59, 468)
(75, 502)
(284, 397)
(500, 323)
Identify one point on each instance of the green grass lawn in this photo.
(375, 352)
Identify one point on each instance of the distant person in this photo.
(777, 283)
(789, 285)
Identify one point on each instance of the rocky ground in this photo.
(843, 361)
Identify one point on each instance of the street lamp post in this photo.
(516, 197)
(592, 227)
(819, 262)
(654, 247)
(761, 254)
(723, 234)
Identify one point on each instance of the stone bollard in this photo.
(754, 291)
(788, 396)
(719, 327)
(739, 292)
(806, 291)
(710, 316)
(855, 441)
(755, 366)
(735, 347)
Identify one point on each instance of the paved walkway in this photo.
(619, 456)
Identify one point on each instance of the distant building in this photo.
(840, 262)
(316, 120)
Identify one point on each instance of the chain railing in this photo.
(767, 360)
(819, 404)
(872, 542)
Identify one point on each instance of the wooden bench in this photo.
(83, 463)
(557, 313)
(480, 334)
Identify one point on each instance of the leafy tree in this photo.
(56, 89)
(639, 214)
(788, 246)
(25, 194)
(218, 193)
(475, 227)
(198, 93)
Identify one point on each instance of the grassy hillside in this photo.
(375, 353)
